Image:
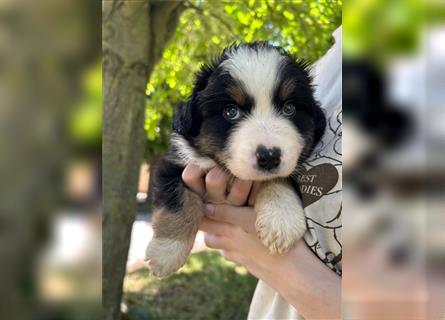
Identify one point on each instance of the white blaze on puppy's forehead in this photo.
(257, 69)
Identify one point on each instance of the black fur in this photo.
(168, 187)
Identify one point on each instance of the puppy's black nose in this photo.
(268, 158)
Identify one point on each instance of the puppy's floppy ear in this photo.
(186, 117)
(202, 77)
(183, 119)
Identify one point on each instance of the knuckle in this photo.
(237, 191)
(220, 212)
(211, 180)
(237, 199)
(210, 240)
(207, 240)
(214, 178)
(186, 177)
(190, 173)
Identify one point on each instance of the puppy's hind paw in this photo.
(164, 256)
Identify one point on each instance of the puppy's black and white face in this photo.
(252, 112)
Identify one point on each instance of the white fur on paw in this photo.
(165, 256)
(279, 228)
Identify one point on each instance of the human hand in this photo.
(228, 226)
(214, 186)
(299, 276)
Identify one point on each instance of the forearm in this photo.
(304, 282)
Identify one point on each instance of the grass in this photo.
(207, 287)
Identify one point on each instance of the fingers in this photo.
(221, 243)
(215, 241)
(253, 192)
(215, 227)
(239, 192)
(193, 177)
(216, 185)
(243, 217)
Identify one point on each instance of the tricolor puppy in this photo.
(253, 113)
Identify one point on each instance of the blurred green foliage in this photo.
(207, 287)
(85, 124)
(302, 27)
(381, 29)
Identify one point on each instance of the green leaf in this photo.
(229, 9)
(215, 40)
(288, 15)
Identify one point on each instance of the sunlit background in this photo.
(393, 142)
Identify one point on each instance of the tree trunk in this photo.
(134, 36)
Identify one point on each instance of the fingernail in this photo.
(209, 209)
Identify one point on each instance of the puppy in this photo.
(253, 113)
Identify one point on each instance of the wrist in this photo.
(284, 272)
(276, 270)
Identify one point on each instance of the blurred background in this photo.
(393, 164)
(50, 159)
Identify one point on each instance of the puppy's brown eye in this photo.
(288, 110)
(231, 112)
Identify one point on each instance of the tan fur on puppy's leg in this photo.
(174, 235)
(165, 256)
(280, 219)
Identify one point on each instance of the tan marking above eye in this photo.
(286, 88)
(237, 94)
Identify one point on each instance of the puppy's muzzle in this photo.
(268, 158)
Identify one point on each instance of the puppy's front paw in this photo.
(279, 228)
(165, 256)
